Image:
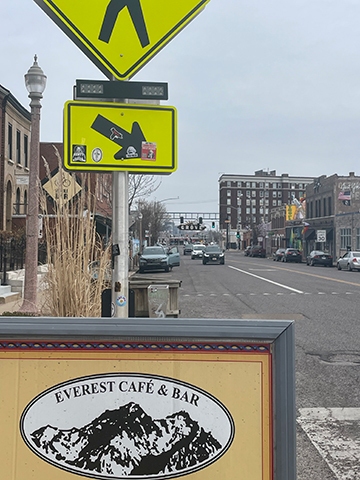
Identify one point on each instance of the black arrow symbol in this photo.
(130, 142)
(112, 11)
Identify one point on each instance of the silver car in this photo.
(157, 258)
(350, 261)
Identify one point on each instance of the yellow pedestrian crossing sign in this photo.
(119, 136)
(121, 36)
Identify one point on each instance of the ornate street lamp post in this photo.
(35, 81)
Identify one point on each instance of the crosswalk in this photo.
(334, 432)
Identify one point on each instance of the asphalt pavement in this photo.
(324, 303)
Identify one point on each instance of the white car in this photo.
(350, 261)
(197, 251)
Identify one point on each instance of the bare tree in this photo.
(154, 215)
(140, 186)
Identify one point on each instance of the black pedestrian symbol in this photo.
(112, 11)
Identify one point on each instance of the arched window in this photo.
(17, 204)
(25, 202)
(8, 206)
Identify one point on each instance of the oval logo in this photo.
(114, 426)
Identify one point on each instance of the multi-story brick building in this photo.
(333, 209)
(15, 122)
(246, 200)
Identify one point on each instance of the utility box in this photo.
(158, 299)
(139, 284)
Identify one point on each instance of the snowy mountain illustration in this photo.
(127, 441)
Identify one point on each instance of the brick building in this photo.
(333, 207)
(15, 122)
(246, 200)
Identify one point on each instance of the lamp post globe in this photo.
(35, 82)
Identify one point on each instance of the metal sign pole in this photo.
(120, 223)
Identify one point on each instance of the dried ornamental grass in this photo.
(72, 246)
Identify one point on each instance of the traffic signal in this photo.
(213, 225)
(200, 220)
(181, 219)
(238, 234)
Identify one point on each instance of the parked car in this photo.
(318, 257)
(279, 254)
(247, 251)
(292, 255)
(349, 261)
(257, 251)
(157, 258)
(213, 254)
(197, 251)
(188, 248)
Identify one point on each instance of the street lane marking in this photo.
(265, 279)
(325, 428)
(317, 276)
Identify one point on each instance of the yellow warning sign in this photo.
(121, 36)
(113, 137)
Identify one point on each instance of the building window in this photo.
(248, 193)
(266, 202)
(248, 201)
(293, 186)
(345, 238)
(239, 193)
(253, 210)
(18, 147)
(247, 184)
(266, 185)
(261, 211)
(324, 207)
(26, 151)
(228, 211)
(253, 202)
(279, 194)
(239, 211)
(253, 185)
(17, 204)
(247, 210)
(25, 202)
(228, 183)
(228, 193)
(10, 141)
(261, 201)
(253, 193)
(261, 184)
(239, 184)
(228, 201)
(239, 200)
(266, 211)
(279, 203)
(358, 239)
(329, 206)
(274, 194)
(266, 193)
(261, 193)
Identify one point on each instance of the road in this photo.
(324, 303)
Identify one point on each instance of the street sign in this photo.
(121, 36)
(115, 137)
(191, 226)
(321, 236)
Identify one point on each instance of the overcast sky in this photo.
(257, 84)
